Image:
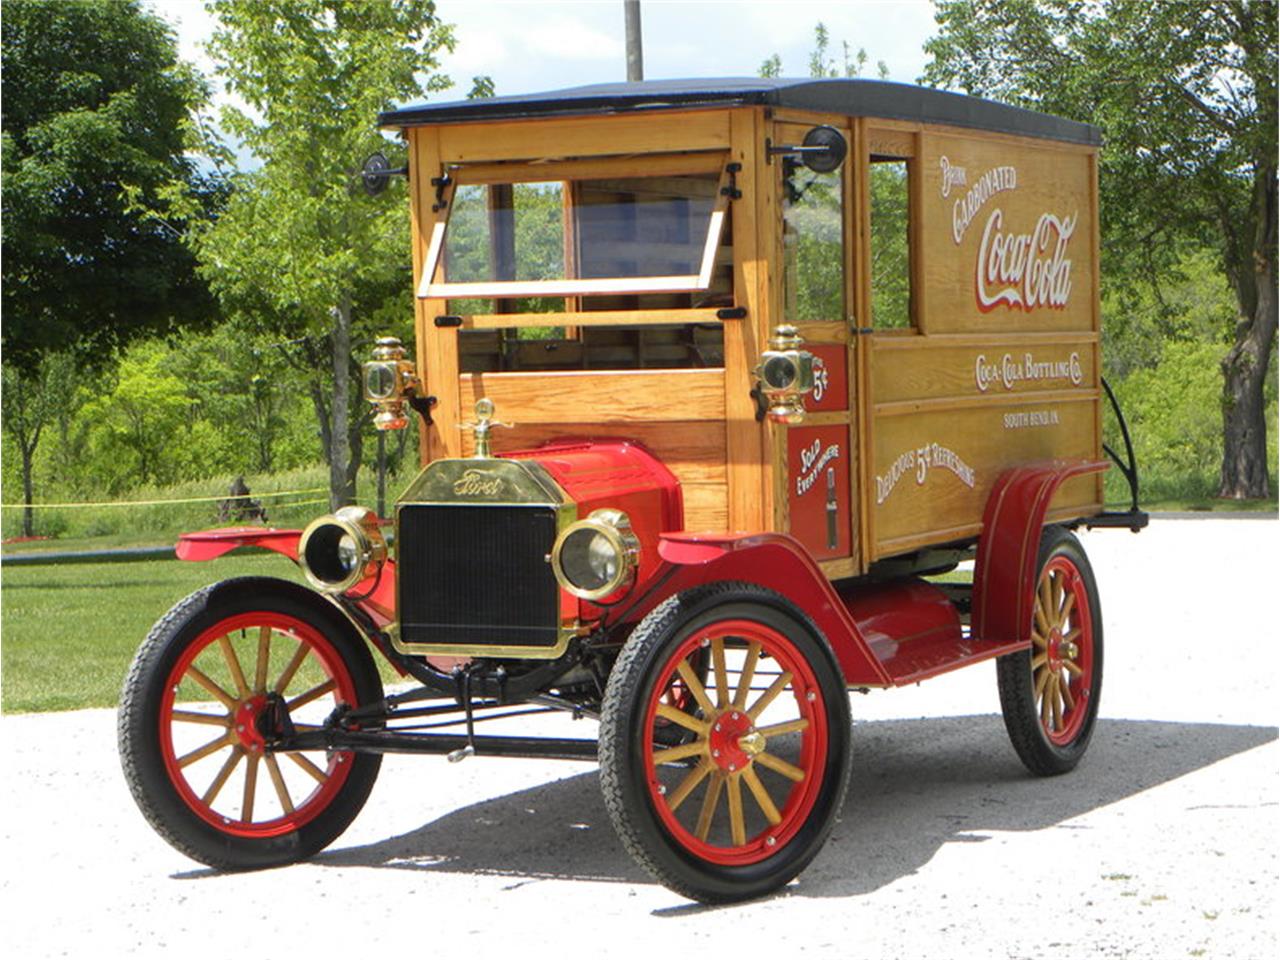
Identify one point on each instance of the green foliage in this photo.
(851, 65)
(890, 248)
(822, 65)
(1174, 412)
(481, 87)
(1174, 409)
(301, 236)
(136, 422)
(813, 247)
(301, 252)
(1191, 301)
(97, 119)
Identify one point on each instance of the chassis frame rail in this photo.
(387, 741)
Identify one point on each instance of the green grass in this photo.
(1168, 490)
(70, 631)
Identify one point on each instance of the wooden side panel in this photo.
(615, 396)
(935, 469)
(1006, 235)
(920, 369)
(1003, 366)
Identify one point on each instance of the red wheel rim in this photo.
(1062, 651)
(241, 662)
(741, 783)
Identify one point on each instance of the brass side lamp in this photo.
(786, 375)
(389, 380)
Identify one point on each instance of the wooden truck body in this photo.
(996, 365)
(749, 360)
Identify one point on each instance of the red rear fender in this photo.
(1004, 574)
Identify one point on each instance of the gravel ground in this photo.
(1162, 844)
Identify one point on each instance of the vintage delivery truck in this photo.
(714, 380)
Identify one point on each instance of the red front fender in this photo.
(375, 596)
(211, 544)
(778, 563)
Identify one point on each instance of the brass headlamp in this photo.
(339, 550)
(786, 374)
(389, 379)
(596, 557)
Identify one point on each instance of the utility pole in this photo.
(635, 57)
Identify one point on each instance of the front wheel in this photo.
(740, 805)
(1049, 694)
(212, 679)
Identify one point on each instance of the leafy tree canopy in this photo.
(97, 111)
(301, 251)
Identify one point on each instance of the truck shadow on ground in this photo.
(917, 784)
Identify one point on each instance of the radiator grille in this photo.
(477, 575)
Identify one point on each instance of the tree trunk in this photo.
(342, 487)
(1244, 418)
(1244, 368)
(28, 491)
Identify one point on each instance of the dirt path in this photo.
(1163, 843)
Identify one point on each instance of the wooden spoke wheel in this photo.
(217, 677)
(747, 797)
(1049, 694)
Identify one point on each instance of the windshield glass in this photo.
(579, 237)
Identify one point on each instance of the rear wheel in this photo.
(215, 675)
(1049, 694)
(741, 803)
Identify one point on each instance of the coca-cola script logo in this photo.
(475, 483)
(1024, 270)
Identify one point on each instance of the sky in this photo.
(533, 45)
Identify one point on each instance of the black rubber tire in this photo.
(139, 724)
(1015, 677)
(622, 762)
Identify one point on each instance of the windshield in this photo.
(536, 235)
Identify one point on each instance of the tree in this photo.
(34, 398)
(823, 66)
(1185, 94)
(300, 249)
(97, 109)
(134, 424)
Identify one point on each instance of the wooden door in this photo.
(819, 457)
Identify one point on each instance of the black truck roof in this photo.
(852, 97)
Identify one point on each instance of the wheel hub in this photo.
(1061, 649)
(246, 722)
(734, 740)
